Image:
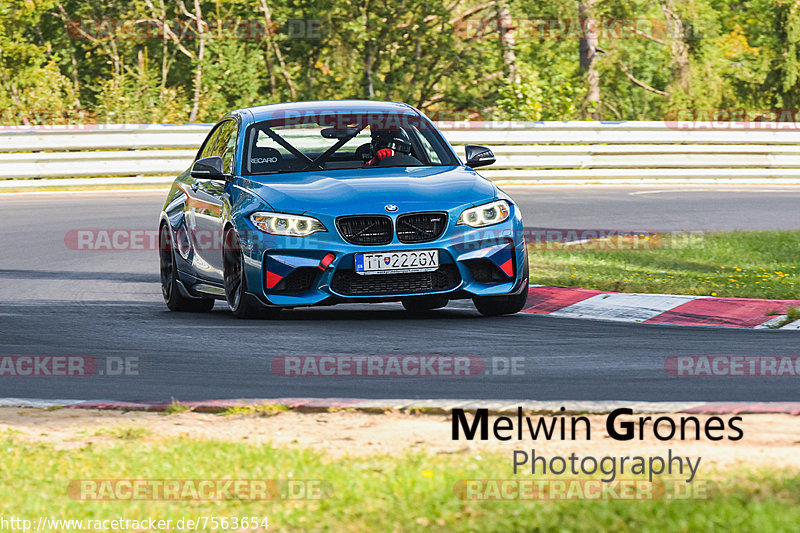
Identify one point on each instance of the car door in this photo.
(206, 201)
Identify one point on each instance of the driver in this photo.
(391, 148)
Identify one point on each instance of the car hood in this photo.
(342, 192)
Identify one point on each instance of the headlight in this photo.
(485, 215)
(286, 225)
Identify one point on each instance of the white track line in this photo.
(115, 192)
(771, 322)
(623, 307)
(36, 403)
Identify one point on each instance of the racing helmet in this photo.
(397, 140)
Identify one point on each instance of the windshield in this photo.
(343, 141)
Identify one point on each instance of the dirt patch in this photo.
(769, 440)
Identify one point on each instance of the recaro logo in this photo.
(259, 160)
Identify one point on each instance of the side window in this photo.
(433, 157)
(222, 142)
(208, 147)
(227, 145)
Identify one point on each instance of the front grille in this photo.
(349, 283)
(421, 227)
(300, 280)
(365, 229)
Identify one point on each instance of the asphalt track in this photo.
(56, 301)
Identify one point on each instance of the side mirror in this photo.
(209, 168)
(478, 156)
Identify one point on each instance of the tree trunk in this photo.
(590, 109)
(506, 34)
(681, 77)
(277, 51)
(164, 48)
(369, 88)
(198, 73)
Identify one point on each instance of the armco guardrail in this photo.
(559, 151)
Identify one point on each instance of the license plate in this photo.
(394, 262)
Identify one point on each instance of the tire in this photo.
(170, 288)
(501, 305)
(241, 304)
(421, 304)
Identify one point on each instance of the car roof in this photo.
(266, 112)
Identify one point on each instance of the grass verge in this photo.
(742, 264)
(175, 407)
(269, 409)
(412, 492)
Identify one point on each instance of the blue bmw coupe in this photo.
(319, 203)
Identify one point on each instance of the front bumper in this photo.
(319, 269)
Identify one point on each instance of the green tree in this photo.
(32, 88)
